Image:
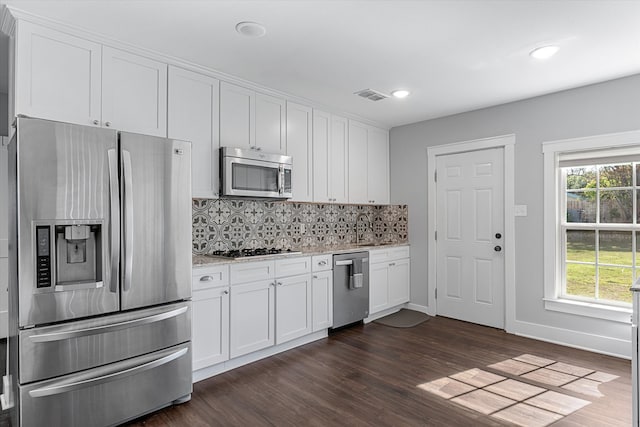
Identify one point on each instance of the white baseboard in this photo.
(581, 340)
(204, 373)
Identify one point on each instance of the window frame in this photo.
(554, 196)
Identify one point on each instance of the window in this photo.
(592, 224)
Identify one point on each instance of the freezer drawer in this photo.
(51, 351)
(111, 394)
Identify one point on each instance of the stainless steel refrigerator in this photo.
(100, 274)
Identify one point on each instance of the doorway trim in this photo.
(507, 142)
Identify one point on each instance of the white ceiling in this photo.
(454, 56)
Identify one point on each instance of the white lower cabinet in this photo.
(252, 315)
(322, 300)
(389, 278)
(210, 316)
(293, 308)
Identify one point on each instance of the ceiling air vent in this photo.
(371, 94)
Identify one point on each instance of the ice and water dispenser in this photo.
(69, 256)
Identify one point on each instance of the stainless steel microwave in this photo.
(254, 173)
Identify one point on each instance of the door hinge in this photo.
(436, 293)
(436, 235)
(435, 176)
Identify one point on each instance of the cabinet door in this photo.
(193, 116)
(358, 159)
(339, 159)
(237, 116)
(210, 327)
(378, 287)
(270, 124)
(299, 146)
(322, 300)
(293, 308)
(251, 317)
(58, 76)
(134, 93)
(321, 164)
(399, 281)
(377, 166)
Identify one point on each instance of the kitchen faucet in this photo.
(369, 227)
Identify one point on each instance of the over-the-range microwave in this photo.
(254, 173)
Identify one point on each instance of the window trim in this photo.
(553, 230)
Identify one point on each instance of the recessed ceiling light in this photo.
(251, 29)
(400, 93)
(544, 52)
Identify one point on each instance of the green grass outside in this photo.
(614, 281)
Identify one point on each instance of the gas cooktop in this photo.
(258, 252)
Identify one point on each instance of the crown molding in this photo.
(175, 61)
(7, 21)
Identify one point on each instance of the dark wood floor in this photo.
(368, 375)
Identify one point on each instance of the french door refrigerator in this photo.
(100, 274)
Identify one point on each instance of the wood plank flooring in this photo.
(369, 375)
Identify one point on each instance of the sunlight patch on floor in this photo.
(520, 402)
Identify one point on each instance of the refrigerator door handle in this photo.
(65, 335)
(114, 201)
(128, 220)
(66, 387)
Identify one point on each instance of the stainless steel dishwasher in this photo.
(350, 288)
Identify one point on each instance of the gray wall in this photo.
(608, 107)
(4, 114)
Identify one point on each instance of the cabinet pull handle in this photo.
(225, 292)
(391, 264)
(279, 283)
(323, 262)
(96, 122)
(206, 279)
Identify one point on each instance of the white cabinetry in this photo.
(368, 164)
(299, 147)
(322, 292)
(269, 308)
(194, 116)
(210, 322)
(389, 278)
(134, 93)
(57, 76)
(65, 78)
(330, 158)
(249, 119)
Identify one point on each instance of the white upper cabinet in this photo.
(69, 79)
(270, 124)
(249, 119)
(330, 158)
(378, 166)
(368, 164)
(57, 76)
(237, 116)
(193, 116)
(134, 93)
(339, 159)
(358, 163)
(299, 147)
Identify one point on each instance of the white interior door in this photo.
(470, 235)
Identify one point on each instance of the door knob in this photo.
(498, 235)
(497, 248)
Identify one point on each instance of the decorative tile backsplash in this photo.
(225, 224)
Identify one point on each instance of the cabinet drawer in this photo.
(210, 277)
(388, 254)
(244, 272)
(293, 266)
(322, 262)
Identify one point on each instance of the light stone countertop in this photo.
(205, 260)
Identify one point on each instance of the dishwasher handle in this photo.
(345, 262)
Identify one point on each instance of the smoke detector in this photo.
(372, 95)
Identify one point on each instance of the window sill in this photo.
(581, 308)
